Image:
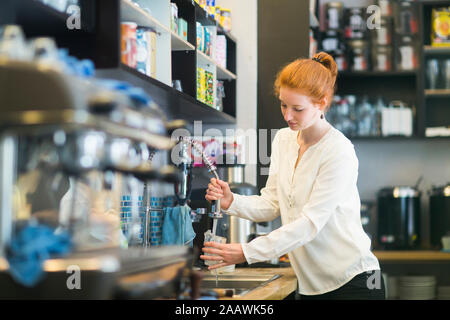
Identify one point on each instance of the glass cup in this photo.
(446, 75)
(432, 73)
(210, 237)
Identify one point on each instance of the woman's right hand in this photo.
(219, 189)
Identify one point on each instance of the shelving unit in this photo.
(179, 59)
(430, 106)
(435, 102)
(100, 40)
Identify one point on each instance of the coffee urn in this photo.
(439, 214)
(399, 218)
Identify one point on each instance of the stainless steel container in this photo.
(399, 218)
(439, 214)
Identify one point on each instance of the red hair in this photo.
(314, 77)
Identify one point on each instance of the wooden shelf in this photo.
(437, 92)
(436, 50)
(224, 74)
(179, 44)
(412, 256)
(411, 73)
(392, 138)
(132, 12)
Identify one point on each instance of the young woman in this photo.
(312, 185)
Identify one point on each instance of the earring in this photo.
(321, 116)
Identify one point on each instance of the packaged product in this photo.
(128, 44)
(209, 94)
(182, 28)
(201, 85)
(440, 28)
(221, 51)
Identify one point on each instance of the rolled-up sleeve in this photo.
(337, 173)
(264, 207)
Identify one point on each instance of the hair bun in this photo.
(327, 61)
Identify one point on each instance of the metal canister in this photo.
(382, 35)
(359, 55)
(439, 214)
(334, 12)
(382, 58)
(407, 55)
(128, 44)
(399, 218)
(331, 41)
(355, 23)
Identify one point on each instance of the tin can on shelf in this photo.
(128, 44)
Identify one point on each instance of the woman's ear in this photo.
(323, 103)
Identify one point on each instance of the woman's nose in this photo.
(287, 115)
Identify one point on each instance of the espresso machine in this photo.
(69, 144)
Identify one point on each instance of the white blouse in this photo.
(320, 212)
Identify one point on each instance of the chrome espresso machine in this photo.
(70, 145)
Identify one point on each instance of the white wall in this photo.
(244, 29)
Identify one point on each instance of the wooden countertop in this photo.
(277, 289)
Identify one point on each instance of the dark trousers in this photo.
(364, 286)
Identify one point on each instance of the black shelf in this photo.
(178, 104)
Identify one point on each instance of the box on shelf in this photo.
(211, 7)
(209, 92)
(221, 51)
(174, 17)
(225, 19)
(182, 28)
(146, 51)
(128, 44)
(201, 85)
(200, 37)
(440, 27)
(204, 40)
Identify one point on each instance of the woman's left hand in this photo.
(227, 253)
